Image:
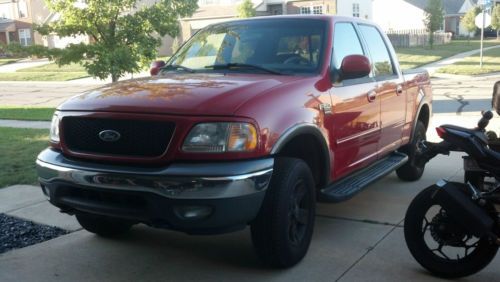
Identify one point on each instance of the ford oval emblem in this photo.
(109, 135)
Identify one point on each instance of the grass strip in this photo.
(470, 65)
(19, 147)
(414, 57)
(26, 113)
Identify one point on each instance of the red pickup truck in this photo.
(249, 123)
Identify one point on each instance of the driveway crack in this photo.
(369, 249)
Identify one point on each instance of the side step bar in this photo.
(349, 186)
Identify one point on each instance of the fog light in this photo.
(193, 212)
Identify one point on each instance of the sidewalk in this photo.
(22, 64)
(433, 67)
(24, 124)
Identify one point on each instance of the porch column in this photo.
(7, 37)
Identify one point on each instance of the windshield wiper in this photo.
(241, 65)
(177, 67)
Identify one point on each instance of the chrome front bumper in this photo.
(190, 197)
(177, 181)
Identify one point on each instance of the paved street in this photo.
(358, 240)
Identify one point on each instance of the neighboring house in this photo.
(411, 14)
(355, 8)
(16, 24)
(454, 11)
(399, 14)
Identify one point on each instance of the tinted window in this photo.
(345, 42)
(286, 46)
(381, 60)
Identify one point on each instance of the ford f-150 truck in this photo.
(250, 122)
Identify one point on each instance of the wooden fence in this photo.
(416, 37)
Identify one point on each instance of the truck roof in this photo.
(330, 18)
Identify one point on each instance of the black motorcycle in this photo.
(451, 228)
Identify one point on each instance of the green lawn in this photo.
(49, 72)
(26, 113)
(470, 66)
(19, 149)
(417, 56)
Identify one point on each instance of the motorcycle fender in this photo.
(462, 209)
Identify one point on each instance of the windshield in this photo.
(287, 46)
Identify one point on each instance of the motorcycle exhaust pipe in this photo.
(461, 208)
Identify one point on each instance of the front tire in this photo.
(282, 231)
(413, 169)
(103, 226)
(436, 242)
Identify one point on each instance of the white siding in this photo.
(397, 15)
(54, 41)
(344, 8)
(6, 11)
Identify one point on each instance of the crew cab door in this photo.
(355, 109)
(388, 89)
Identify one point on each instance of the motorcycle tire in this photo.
(414, 233)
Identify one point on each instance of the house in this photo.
(16, 24)
(411, 14)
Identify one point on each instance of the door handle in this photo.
(372, 95)
(399, 90)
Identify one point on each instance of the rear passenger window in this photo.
(381, 59)
(345, 43)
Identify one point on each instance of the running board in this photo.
(349, 186)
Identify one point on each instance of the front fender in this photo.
(306, 129)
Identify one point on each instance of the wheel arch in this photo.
(306, 142)
(423, 114)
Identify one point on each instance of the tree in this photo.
(495, 20)
(124, 34)
(469, 19)
(434, 16)
(246, 9)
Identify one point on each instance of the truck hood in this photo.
(185, 94)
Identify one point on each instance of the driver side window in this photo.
(345, 43)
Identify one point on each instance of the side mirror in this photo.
(155, 67)
(355, 66)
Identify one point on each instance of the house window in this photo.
(317, 10)
(305, 10)
(355, 10)
(25, 36)
(22, 7)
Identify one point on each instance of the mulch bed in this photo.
(18, 233)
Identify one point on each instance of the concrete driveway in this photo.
(358, 240)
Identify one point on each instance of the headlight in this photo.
(219, 137)
(54, 129)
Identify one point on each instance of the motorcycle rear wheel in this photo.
(450, 235)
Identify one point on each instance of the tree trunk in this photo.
(114, 77)
(498, 34)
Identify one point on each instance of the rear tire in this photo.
(103, 226)
(282, 231)
(412, 170)
(415, 237)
